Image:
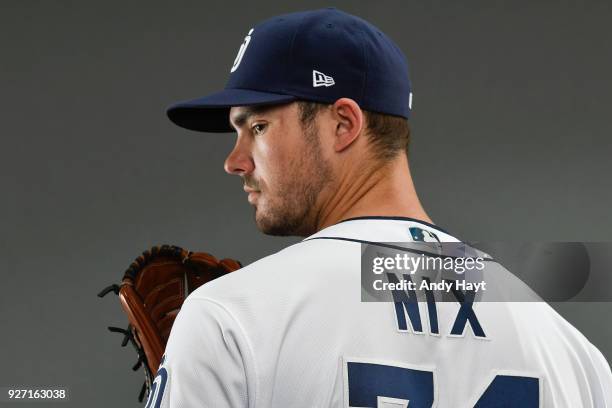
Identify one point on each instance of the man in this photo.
(319, 101)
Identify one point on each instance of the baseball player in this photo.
(320, 101)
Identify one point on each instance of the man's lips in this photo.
(250, 190)
(252, 194)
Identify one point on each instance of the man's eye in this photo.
(259, 128)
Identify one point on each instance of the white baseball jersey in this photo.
(290, 330)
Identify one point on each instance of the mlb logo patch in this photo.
(419, 234)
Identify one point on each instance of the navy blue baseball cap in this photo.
(320, 56)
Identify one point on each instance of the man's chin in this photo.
(271, 225)
(279, 226)
(264, 224)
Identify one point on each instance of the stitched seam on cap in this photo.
(291, 51)
(366, 68)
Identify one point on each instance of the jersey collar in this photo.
(382, 229)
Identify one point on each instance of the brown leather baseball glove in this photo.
(152, 292)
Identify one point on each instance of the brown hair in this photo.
(388, 134)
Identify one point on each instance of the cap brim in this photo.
(211, 113)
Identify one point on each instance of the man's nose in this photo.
(239, 162)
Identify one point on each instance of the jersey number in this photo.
(378, 385)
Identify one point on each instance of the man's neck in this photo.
(387, 191)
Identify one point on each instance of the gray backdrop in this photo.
(511, 142)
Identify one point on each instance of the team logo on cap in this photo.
(241, 51)
(320, 79)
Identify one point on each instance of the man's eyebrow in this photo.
(241, 118)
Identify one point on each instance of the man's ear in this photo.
(349, 118)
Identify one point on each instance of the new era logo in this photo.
(320, 79)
